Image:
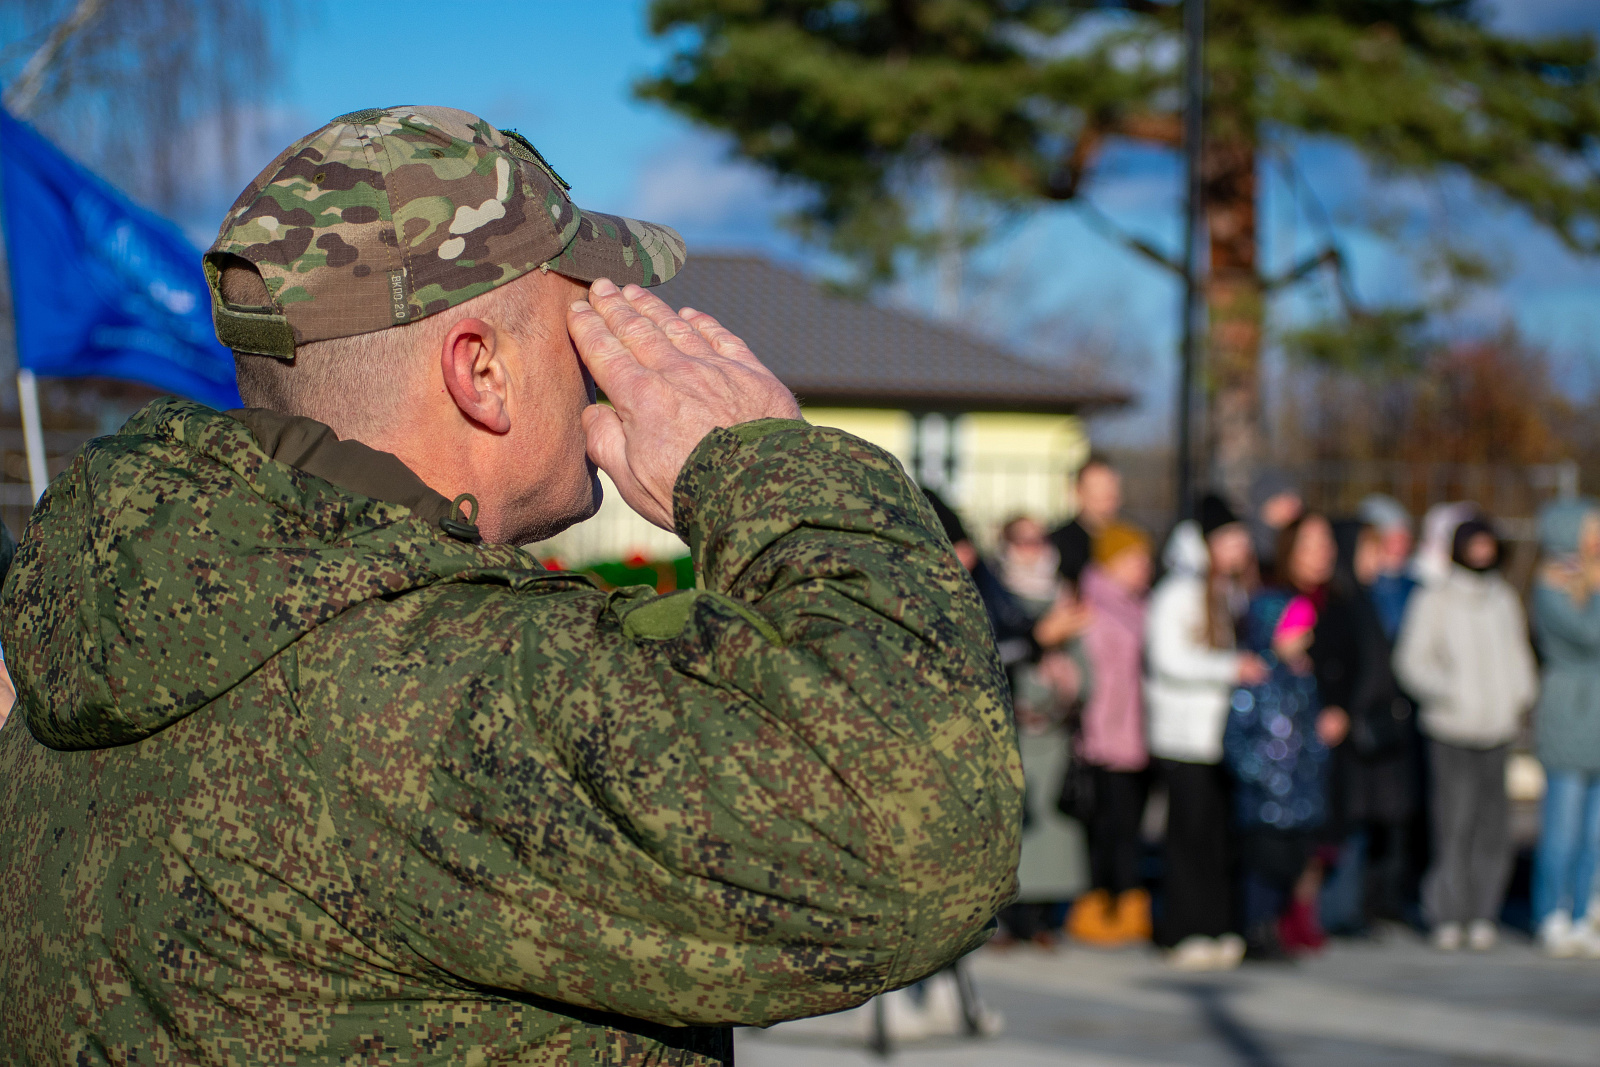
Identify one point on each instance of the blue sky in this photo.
(558, 71)
(561, 71)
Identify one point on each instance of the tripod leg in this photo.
(879, 1045)
(971, 1010)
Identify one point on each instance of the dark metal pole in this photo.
(1194, 325)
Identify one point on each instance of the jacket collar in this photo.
(313, 447)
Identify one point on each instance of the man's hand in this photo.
(671, 380)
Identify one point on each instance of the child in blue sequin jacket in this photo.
(1276, 745)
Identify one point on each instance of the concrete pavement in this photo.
(1393, 1002)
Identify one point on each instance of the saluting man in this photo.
(312, 764)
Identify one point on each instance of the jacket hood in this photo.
(1186, 551)
(1560, 523)
(177, 556)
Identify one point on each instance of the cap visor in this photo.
(624, 250)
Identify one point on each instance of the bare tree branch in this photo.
(1326, 257)
(22, 94)
(160, 94)
(1104, 224)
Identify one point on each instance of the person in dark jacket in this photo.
(1011, 621)
(1371, 787)
(1098, 488)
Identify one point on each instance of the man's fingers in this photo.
(683, 336)
(605, 441)
(611, 362)
(642, 337)
(722, 340)
(734, 350)
(607, 444)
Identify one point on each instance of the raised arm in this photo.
(774, 795)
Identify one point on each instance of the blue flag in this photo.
(101, 286)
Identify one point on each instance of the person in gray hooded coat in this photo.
(1566, 621)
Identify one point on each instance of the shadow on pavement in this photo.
(1211, 1001)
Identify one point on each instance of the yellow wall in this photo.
(889, 430)
(1006, 464)
(1017, 465)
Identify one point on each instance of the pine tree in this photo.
(1015, 101)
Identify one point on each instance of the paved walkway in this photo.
(1394, 1003)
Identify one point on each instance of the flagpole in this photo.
(32, 432)
(19, 97)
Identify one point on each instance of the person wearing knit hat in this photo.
(1116, 539)
(1214, 513)
(1112, 744)
(1383, 512)
(1391, 590)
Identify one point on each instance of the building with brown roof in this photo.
(995, 433)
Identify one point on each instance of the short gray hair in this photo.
(356, 384)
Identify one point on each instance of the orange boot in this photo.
(1132, 921)
(1091, 920)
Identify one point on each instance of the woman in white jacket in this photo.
(1464, 655)
(1193, 670)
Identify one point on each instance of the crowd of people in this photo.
(1328, 704)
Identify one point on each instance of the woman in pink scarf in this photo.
(1112, 744)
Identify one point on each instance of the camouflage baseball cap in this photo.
(388, 215)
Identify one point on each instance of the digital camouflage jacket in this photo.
(298, 778)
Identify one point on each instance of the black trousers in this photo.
(1388, 857)
(1272, 861)
(1114, 844)
(1197, 889)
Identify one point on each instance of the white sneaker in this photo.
(1230, 952)
(1586, 936)
(1482, 935)
(1196, 952)
(1557, 937)
(1447, 937)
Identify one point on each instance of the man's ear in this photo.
(475, 373)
